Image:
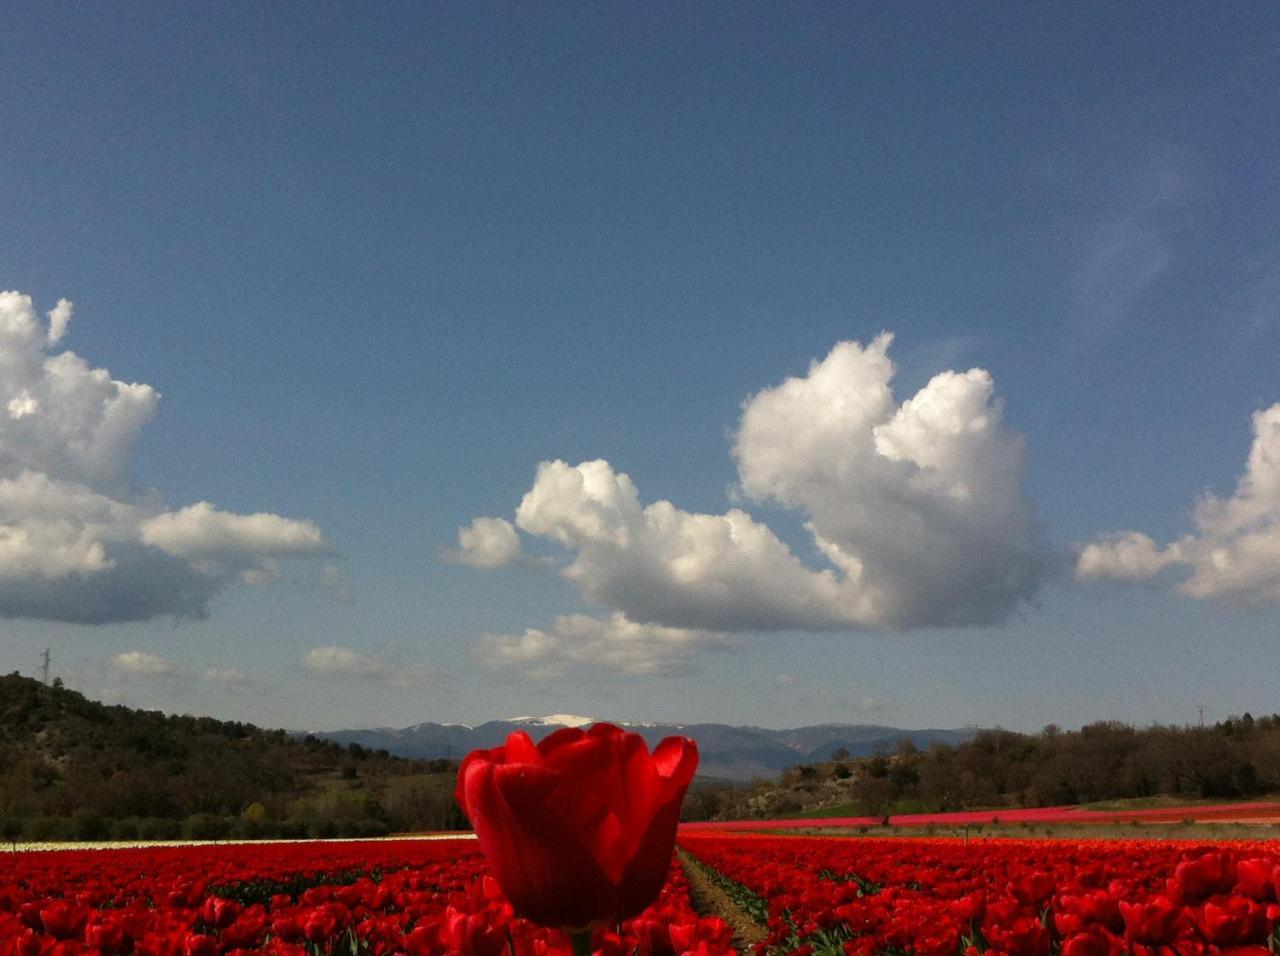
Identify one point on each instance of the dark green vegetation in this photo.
(264, 889)
(72, 768)
(1237, 758)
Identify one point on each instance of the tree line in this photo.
(1232, 759)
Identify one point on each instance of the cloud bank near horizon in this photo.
(916, 510)
(1232, 557)
(77, 542)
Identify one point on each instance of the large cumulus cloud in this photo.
(77, 542)
(1233, 556)
(615, 643)
(916, 512)
(919, 505)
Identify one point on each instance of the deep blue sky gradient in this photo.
(380, 260)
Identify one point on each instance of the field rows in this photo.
(941, 897)
(809, 895)
(302, 899)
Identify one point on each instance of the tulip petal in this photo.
(580, 828)
(646, 871)
(676, 759)
(520, 748)
(524, 817)
(495, 755)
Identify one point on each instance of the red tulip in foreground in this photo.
(580, 828)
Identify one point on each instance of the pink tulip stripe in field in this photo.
(1216, 813)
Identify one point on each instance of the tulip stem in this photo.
(581, 939)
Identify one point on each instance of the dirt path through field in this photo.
(710, 900)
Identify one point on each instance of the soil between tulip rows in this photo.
(709, 900)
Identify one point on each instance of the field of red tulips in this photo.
(815, 895)
(942, 897)
(302, 899)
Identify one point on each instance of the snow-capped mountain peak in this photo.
(554, 720)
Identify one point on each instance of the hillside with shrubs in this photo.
(1237, 758)
(72, 768)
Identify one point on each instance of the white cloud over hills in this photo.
(1233, 556)
(141, 663)
(615, 643)
(343, 662)
(77, 542)
(917, 509)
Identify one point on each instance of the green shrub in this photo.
(159, 828)
(126, 829)
(44, 829)
(10, 829)
(86, 824)
(205, 826)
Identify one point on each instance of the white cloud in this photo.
(1234, 554)
(341, 660)
(65, 419)
(335, 661)
(77, 541)
(53, 529)
(22, 405)
(614, 643)
(224, 675)
(659, 564)
(59, 319)
(202, 531)
(141, 663)
(918, 508)
(486, 543)
(1124, 556)
(265, 572)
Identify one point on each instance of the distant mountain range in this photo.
(728, 753)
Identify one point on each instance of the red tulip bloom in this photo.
(580, 828)
(1209, 875)
(64, 919)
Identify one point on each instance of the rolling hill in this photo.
(73, 768)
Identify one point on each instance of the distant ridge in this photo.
(728, 752)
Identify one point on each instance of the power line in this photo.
(44, 668)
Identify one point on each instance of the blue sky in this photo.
(380, 263)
